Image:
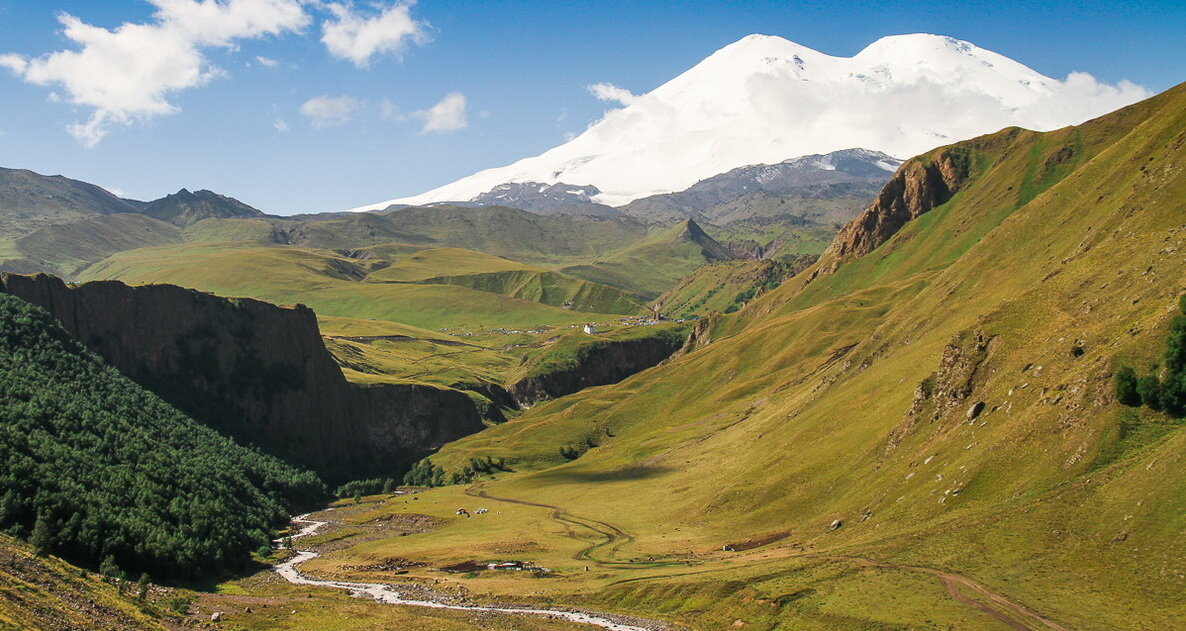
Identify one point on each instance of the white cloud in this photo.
(358, 38)
(266, 62)
(329, 111)
(390, 111)
(280, 125)
(128, 74)
(612, 93)
(448, 115)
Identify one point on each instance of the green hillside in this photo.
(29, 201)
(94, 465)
(726, 286)
(65, 249)
(922, 436)
(331, 284)
(653, 265)
(43, 592)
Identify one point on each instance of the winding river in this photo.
(389, 595)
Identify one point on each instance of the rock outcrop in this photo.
(598, 364)
(255, 371)
(919, 186)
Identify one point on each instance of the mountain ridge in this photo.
(763, 99)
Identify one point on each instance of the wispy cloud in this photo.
(612, 93)
(330, 111)
(448, 115)
(129, 73)
(358, 35)
(266, 62)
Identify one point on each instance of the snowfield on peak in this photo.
(764, 99)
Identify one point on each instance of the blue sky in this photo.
(521, 69)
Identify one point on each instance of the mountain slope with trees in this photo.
(98, 470)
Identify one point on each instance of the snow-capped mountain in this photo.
(852, 174)
(765, 99)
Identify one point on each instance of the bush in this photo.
(1149, 389)
(425, 473)
(1126, 387)
(365, 487)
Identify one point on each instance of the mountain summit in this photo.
(764, 99)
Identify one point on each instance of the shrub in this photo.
(1126, 387)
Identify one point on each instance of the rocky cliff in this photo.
(597, 364)
(919, 186)
(255, 371)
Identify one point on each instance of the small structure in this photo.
(462, 511)
(589, 330)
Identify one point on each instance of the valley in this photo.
(715, 362)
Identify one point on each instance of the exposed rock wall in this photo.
(255, 371)
(599, 364)
(918, 187)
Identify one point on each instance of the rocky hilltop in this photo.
(255, 371)
(599, 363)
(920, 185)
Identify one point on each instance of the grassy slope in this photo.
(489, 273)
(64, 249)
(719, 287)
(1055, 497)
(47, 593)
(648, 268)
(328, 283)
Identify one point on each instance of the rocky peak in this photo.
(919, 186)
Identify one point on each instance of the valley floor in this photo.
(558, 559)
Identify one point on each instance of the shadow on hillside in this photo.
(577, 476)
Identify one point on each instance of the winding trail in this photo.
(389, 595)
(1010, 613)
(601, 553)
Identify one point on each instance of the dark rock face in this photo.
(601, 364)
(184, 208)
(918, 187)
(255, 371)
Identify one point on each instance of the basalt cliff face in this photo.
(598, 364)
(255, 371)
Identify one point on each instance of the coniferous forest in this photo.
(104, 473)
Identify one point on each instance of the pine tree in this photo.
(142, 586)
(109, 567)
(42, 538)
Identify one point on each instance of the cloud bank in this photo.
(129, 73)
(612, 93)
(330, 111)
(448, 115)
(358, 38)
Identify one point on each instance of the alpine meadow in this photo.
(885, 338)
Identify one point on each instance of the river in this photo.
(390, 595)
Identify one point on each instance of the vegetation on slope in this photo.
(934, 417)
(331, 284)
(1161, 392)
(98, 469)
(727, 286)
(38, 591)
